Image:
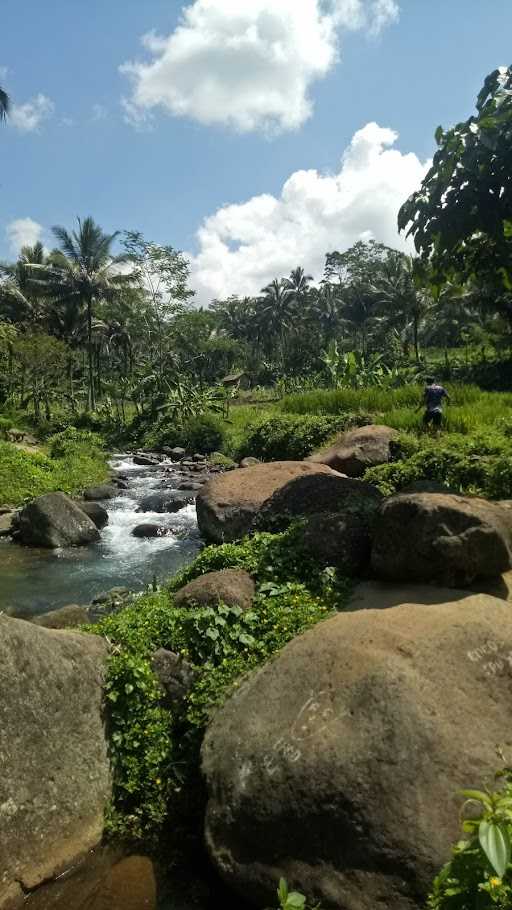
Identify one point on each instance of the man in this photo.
(433, 399)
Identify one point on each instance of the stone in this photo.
(161, 502)
(338, 764)
(177, 453)
(175, 675)
(145, 461)
(191, 485)
(318, 493)
(68, 617)
(55, 520)
(121, 484)
(198, 457)
(343, 541)
(428, 486)
(117, 593)
(435, 537)
(249, 462)
(6, 522)
(228, 503)
(96, 513)
(102, 491)
(149, 529)
(56, 781)
(233, 587)
(355, 451)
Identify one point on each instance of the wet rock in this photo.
(117, 593)
(102, 491)
(145, 461)
(189, 485)
(233, 587)
(56, 780)
(150, 530)
(337, 765)
(357, 450)
(177, 453)
(161, 502)
(175, 675)
(227, 504)
(6, 523)
(340, 540)
(198, 457)
(96, 513)
(433, 537)
(55, 520)
(68, 617)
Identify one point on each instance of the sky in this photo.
(254, 135)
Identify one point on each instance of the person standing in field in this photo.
(433, 401)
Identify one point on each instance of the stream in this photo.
(36, 581)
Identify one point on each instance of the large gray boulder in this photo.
(436, 537)
(55, 782)
(233, 587)
(355, 451)
(100, 492)
(162, 502)
(313, 494)
(227, 505)
(68, 617)
(55, 520)
(96, 513)
(337, 765)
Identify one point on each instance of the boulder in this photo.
(96, 513)
(198, 457)
(68, 617)
(249, 462)
(340, 540)
(6, 522)
(177, 453)
(311, 494)
(355, 451)
(191, 485)
(102, 491)
(161, 502)
(233, 587)
(55, 783)
(434, 537)
(55, 520)
(175, 675)
(338, 764)
(227, 504)
(148, 529)
(145, 461)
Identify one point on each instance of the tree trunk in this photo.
(415, 329)
(91, 398)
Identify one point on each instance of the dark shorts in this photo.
(434, 417)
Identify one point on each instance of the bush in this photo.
(478, 464)
(71, 441)
(155, 753)
(290, 438)
(204, 434)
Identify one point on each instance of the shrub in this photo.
(289, 437)
(204, 433)
(71, 441)
(155, 753)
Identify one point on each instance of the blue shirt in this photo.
(434, 395)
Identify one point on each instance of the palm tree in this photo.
(81, 274)
(298, 282)
(275, 313)
(4, 104)
(404, 303)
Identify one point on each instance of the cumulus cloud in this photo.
(23, 232)
(244, 246)
(28, 117)
(246, 65)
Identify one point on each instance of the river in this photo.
(34, 581)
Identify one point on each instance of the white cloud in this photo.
(23, 232)
(28, 117)
(244, 246)
(247, 65)
(99, 112)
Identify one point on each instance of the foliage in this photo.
(204, 433)
(461, 218)
(290, 438)
(475, 464)
(72, 466)
(292, 900)
(479, 875)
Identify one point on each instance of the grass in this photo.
(242, 419)
(24, 475)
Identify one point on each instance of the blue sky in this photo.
(245, 132)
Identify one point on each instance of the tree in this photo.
(82, 274)
(403, 302)
(275, 314)
(461, 217)
(4, 104)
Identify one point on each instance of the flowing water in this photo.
(35, 581)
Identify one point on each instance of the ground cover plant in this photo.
(155, 751)
(71, 461)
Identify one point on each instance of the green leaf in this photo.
(495, 842)
(439, 134)
(282, 891)
(295, 901)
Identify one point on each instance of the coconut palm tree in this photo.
(80, 275)
(4, 104)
